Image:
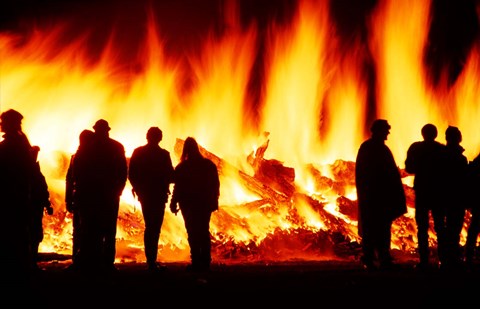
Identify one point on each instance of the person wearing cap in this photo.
(17, 174)
(425, 160)
(150, 173)
(195, 193)
(381, 197)
(100, 177)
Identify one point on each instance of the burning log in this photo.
(348, 207)
(272, 172)
(342, 171)
(334, 223)
(274, 183)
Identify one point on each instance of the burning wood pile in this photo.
(258, 77)
(274, 183)
(283, 222)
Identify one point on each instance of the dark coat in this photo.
(381, 196)
(455, 172)
(40, 202)
(101, 170)
(426, 160)
(17, 174)
(151, 171)
(196, 184)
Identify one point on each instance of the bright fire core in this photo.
(285, 156)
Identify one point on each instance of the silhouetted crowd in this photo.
(95, 179)
(98, 171)
(445, 183)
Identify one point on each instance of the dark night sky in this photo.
(185, 22)
(452, 17)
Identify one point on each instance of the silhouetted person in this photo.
(72, 201)
(40, 203)
(196, 190)
(100, 177)
(150, 173)
(17, 173)
(474, 206)
(381, 196)
(426, 160)
(456, 173)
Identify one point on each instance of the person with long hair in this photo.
(195, 193)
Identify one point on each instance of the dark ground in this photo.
(325, 284)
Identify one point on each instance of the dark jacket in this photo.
(426, 161)
(102, 170)
(380, 191)
(151, 171)
(196, 183)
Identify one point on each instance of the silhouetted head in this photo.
(101, 128)
(380, 125)
(380, 128)
(11, 121)
(85, 136)
(453, 135)
(429, 132)
(190, 149)
(154, 135)
(101, 125)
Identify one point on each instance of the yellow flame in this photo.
(314, 109)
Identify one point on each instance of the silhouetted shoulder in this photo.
(210, 163)
(117, 144)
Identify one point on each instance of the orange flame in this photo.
(312, 106)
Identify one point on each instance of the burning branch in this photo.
(272, 172)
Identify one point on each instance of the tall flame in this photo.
(312, 112)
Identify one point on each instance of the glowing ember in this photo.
(286, 194)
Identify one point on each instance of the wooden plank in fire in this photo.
(333, 223)
(277, 176)
(253, 184)
(272, 172)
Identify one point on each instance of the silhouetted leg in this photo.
(153, 214)
(197, 229)
(439, 225)
(472, 235)
(195, 241)
(35, 256)
(110, 236)
(205, 257)
(422, 221)
(455, 220)
(384, 240)
(190, 226)
(368, 245)
(91, 238)
(76, 238)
